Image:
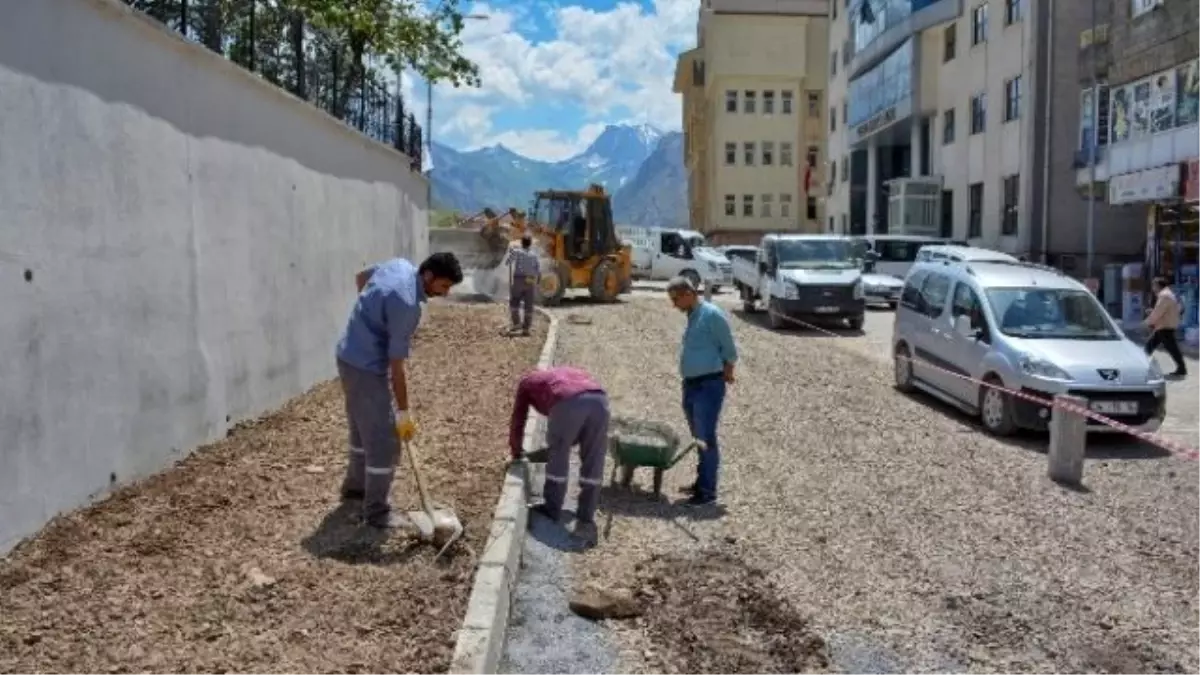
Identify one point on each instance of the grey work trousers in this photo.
(374, 446)
(521, 294)
(580, 420)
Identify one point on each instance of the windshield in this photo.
(827, 253)
(1043, 313)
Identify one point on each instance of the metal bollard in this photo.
(1068, 440)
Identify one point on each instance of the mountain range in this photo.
(639, 165)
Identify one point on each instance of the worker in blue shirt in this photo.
(707, 359)
(377, 341)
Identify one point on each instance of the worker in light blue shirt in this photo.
(707, 359)
(376, 343)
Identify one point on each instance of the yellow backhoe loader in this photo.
(572, 231)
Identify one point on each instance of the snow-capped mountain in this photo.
(499, 178)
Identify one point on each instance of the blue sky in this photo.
(555, 72)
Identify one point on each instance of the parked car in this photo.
(661, 253)
(961, 254)
(812, 278)
(1026, 328)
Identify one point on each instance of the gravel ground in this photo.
(908, 538)
(239, 558)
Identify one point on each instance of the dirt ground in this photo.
(241, 559)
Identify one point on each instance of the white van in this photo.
(897, 252)
(662, 254)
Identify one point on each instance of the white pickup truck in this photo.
(812, 278)
(661, 254)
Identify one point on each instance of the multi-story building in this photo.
(953, 117)
(1137, 138)
(753, 117)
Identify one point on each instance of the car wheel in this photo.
(892, 305)
(902, 369)
(856, 322)
(995, 409)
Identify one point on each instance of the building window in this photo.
(1012, 197)
(768, 153)
(832, 119)
(845, 112)
(975, 210)
(833, 63)
(979, 24)
(845, 168)
(730, 205)
(785, 154)
(730, 101)
(1013, 11)
(768, 103)
(833, 11)
(810, 208)
(785, 102)
(765, 211)
(730, 154)
(785, 205)
(949, 42)
(748, 154)
(814, 154)
(748, 205)
(978, 113)
(748, 102)
(831, 230)
(814, 104)
(947, 129)
(833, 168)
(1012, 99)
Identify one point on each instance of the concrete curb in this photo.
(481, 637)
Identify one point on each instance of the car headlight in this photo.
(858, 290)
(1032, 365)
(1154, 373)
(791, 291)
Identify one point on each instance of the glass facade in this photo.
(871, 18)
(887, 84)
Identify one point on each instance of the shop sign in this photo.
(877, 122)
(1191, 180)
(1145, 186)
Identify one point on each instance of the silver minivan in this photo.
(1026, 328)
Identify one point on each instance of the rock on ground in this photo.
(907, 537)
(240, 558)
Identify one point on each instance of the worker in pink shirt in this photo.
(577, 410)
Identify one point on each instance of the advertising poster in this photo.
(1140, 115)
(1187, 94)
(1085, 119)
(1119, 114)
(1162, 102)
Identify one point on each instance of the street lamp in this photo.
(429, 124)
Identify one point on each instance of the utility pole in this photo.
(1092, 150)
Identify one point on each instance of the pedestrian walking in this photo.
(377, 340)
(707, 358)
(525, 272)
(1163, 323)
(577, 410)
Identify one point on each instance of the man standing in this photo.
(706, 362)
(377, 339)
(577, 408)
(1163, 322)
(525, 272)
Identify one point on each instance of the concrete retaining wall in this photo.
(178, 240)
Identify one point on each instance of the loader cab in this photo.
(583, 220)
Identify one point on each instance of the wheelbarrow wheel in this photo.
(658, 478)
(627, 475)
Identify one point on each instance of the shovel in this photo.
(436, 523)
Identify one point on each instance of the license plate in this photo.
(827, 310)
(1115, 407)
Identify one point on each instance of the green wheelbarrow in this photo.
(636, 444)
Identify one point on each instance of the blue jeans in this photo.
(702, 403)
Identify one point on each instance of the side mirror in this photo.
(762, 267)
(962, 326)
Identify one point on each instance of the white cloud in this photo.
(615, 64)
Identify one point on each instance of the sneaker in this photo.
(1179, 374)
(546, 512)
(585, 531)
(525, 332)
(349, 495)
(699, 500)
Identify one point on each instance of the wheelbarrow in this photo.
(635, 444)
